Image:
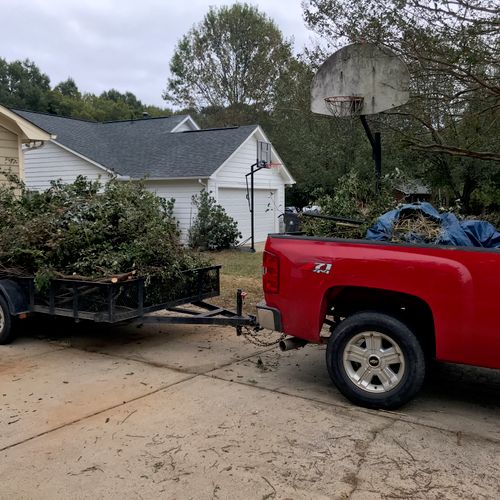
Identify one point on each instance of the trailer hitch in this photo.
(206, 314)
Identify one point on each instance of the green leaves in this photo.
(23, 85)
(352, 198)
(88, 230)
(233, 57)
(212, 229)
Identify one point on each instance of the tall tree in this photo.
(68, 88)
(23, 85)
(234, 57)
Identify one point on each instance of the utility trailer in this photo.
(121, 301)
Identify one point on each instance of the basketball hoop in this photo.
(361, 79)
(341, 106)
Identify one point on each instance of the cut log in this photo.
(123, 277)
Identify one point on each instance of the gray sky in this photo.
(122, 44)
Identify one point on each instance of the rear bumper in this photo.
(268, 317)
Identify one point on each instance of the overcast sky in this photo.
(122, 44)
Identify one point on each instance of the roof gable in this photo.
(146, 147)
(187, 124)
(258, 135)
(26, 130)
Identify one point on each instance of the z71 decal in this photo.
(322, 268)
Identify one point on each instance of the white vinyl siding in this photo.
(236, 205)
(51, 162)
(233, 172)
(182, 192)
(269, 190)
(186, 125)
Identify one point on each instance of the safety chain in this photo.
(252, 335)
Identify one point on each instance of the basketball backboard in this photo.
(361, 78)
(264, 153)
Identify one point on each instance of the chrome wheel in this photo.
(374, 362)
(2, 320)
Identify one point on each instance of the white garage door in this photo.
(236, 205)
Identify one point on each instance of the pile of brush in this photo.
(90, 232)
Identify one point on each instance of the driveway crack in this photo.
(362, 448)
(98, 412)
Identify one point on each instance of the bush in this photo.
(353, 198)
(212, 228)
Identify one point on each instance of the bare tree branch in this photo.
(455, 151)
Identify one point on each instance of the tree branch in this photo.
(454, 151)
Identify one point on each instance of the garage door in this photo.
(236, 205)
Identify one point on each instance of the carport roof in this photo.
(145, 147)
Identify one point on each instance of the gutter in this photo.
(149, 179)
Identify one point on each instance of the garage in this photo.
(235, 203)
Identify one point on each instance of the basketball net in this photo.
(344, 106)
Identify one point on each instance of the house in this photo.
(412, 191)
(174, 156)
(14, 132)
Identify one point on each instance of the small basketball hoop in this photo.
(342, 106)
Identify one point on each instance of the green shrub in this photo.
(353, 198)
(212, 229)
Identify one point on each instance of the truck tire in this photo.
(6, 330)
(375, 360)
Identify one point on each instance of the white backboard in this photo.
(364, 70)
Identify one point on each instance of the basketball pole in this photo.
(260, 165)
(376, 143)
(252, 217)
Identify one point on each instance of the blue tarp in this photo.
(469, 233)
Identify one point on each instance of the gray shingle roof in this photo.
(413, 186)
(145, 148)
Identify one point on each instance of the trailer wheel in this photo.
(6, 331)
(375, 360)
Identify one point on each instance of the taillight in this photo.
(270, 279)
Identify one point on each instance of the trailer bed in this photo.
(122, 301)
(107, 302)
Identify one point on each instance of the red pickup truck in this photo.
(391, 308)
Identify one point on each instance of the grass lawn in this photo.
(239, 270)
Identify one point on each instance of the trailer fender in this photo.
(15, 296)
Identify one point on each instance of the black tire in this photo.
(386, 347)
(6, 330)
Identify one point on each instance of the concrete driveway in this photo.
(196, 412)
